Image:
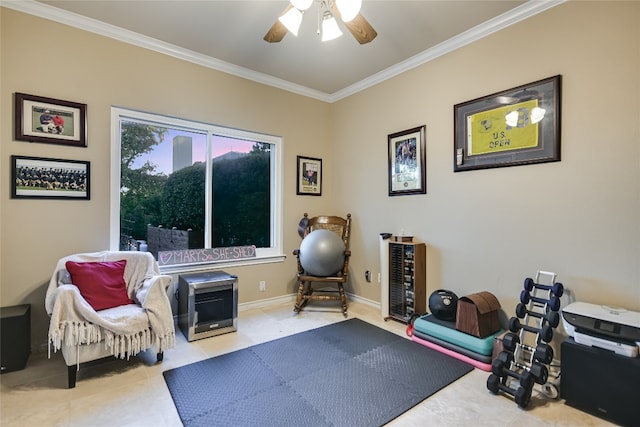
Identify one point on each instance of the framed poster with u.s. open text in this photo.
(517, 126)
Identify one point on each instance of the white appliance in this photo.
(614, 329)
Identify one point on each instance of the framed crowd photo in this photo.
(309, 173)
(43, 178)
(51, 121)
(407, 162)
(518, 126)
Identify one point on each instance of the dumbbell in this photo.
(505, 357)
(543, 353)
(554, 301)
(500, 367)
(522, 395)
(557, 289)
(510, 341)
(552, 317)
(546, 332)
(540, 372)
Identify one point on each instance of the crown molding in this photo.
(91, 25)
(491, 26)
(498, 23)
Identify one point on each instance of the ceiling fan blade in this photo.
(277, 31)
(358, 26)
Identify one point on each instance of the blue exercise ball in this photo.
(322, 253)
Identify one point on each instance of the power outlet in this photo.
(262, 286)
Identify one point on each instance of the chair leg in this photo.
(71, 374)
(298, 306)
(343, 298)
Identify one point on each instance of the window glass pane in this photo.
(241, 193)
(183, 200)
(162, 203)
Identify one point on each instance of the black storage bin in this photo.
(15, 337)
(600, 382)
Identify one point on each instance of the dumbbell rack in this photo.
(527, 354)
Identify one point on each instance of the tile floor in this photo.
(133, 393)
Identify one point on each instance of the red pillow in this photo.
(100, 283)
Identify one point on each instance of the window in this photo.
(179, 184)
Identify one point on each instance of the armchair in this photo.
(108, 304)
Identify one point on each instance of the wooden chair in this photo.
(306, 292)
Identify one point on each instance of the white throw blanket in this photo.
(127, 329)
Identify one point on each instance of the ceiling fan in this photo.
(348, 11)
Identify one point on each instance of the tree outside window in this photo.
(164, 185)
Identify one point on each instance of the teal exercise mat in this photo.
(446, 331)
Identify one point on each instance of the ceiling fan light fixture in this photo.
(349, 9)
(292, 20)
(330, 29)
(301, 4)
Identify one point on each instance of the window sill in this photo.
(188, 268)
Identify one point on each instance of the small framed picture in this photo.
(50, 121)
(309, 172)
(407, 162)
(42, 178)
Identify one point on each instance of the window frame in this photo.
(274, 253)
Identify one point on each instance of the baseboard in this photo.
(291, 297)
(370, 303)
(266, 302)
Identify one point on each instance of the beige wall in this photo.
(489, 229)
(486, 230)
(102, 72)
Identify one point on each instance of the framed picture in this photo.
(42, 178)
(309, 173)
(51, 121)
(407, 162)
(518, 126)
